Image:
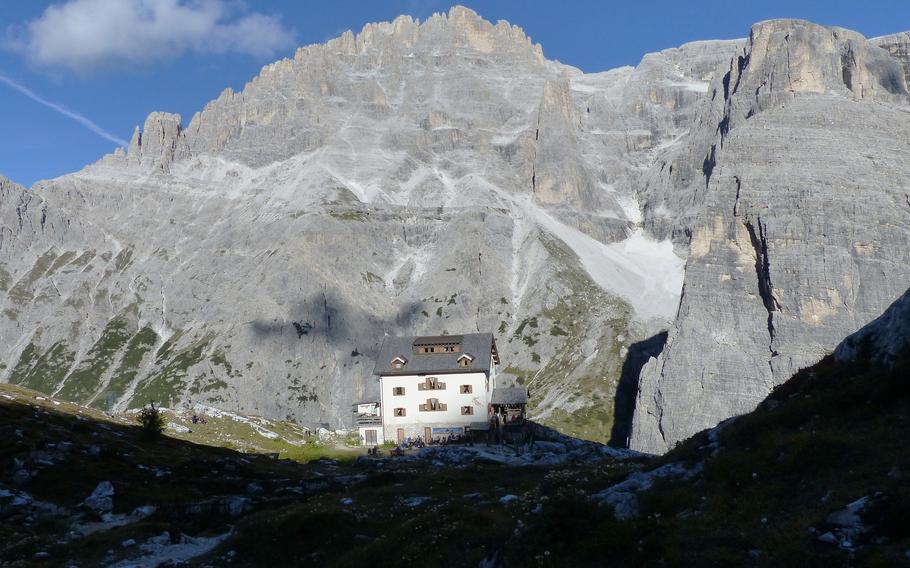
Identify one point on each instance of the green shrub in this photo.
(151, 422)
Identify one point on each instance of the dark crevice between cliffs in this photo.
(741, 64)
(708, 165)
(763, 272)
(627, 390)
(736, 203)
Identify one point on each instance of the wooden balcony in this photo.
(368, 419)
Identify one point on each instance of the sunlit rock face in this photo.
(417, 177)
(443, 177)
(801, 221)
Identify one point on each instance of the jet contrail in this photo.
(63, 110)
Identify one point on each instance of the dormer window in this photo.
(437, 344)
(465, 360)
(399, 362)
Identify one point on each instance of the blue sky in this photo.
(101, 60)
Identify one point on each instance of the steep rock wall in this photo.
(803, 224)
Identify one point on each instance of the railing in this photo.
(369, 419)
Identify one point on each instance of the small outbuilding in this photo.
(510, 405)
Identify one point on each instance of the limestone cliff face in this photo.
(802, 227)
(416, 177)
(898, 46)
(444, 176)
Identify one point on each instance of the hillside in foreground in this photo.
(769, 488)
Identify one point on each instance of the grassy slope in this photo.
(299, 514)
(572, 392)
(831, 435)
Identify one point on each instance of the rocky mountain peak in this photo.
(824, 59)
(383, 69)
(6, 182)
(784, 58)
(156, 144)
(460, 28)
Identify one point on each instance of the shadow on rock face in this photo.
(335, 320)
(627, 390)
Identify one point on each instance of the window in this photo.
(423, 349)
(431, 383)
(467, 410)
(399, 412)
(397, 391)
(465, 360)
(433, 405)
(466, 389)
(399, 362)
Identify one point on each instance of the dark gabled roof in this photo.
(438, 339)
(480, 346)
(509, 395)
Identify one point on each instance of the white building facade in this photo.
(369, 423)
(431, 387)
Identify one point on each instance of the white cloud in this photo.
(62, 110)
(88, 34)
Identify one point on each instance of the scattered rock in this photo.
(179, 428)
(347, 501)
(128, 543)
(415, 501)
(101, 499)
(506, 499)
(161, 539)
(848, 517)
(551, 447)
(623, 497)
(143, 511)
(828, 538)
(236, 506)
